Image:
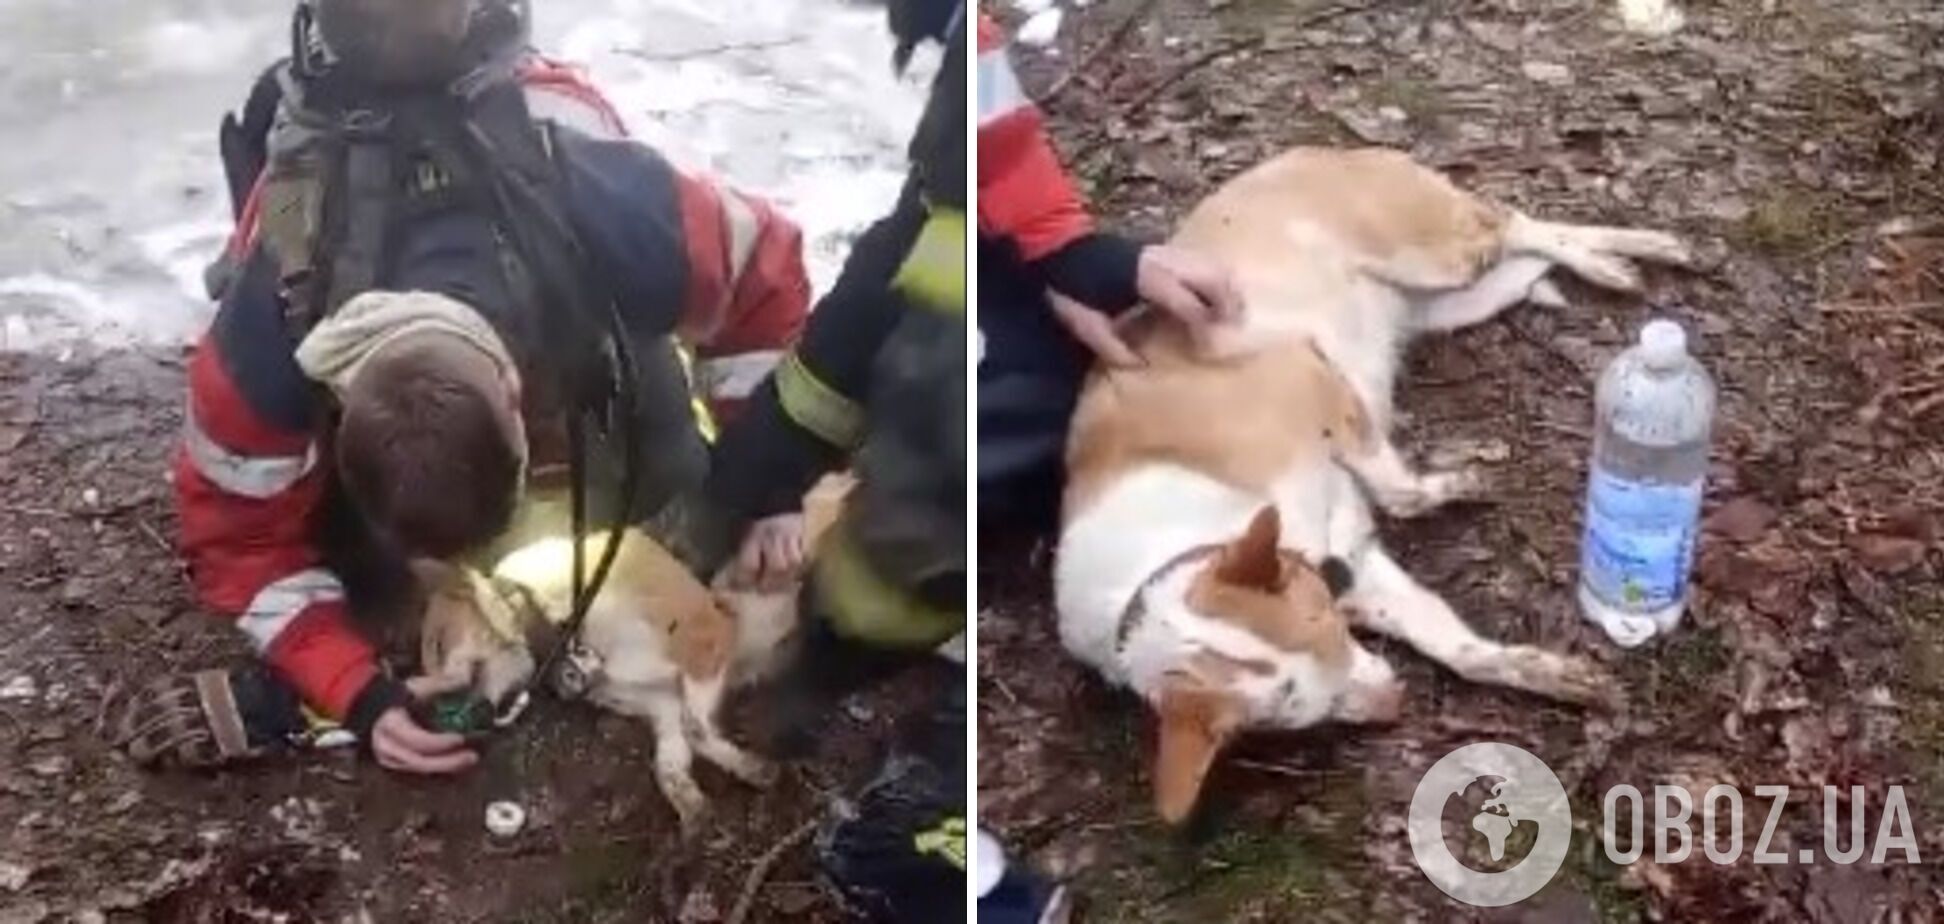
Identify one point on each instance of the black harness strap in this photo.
(526, 185)
(363, 231)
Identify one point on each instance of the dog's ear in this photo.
(1255, 560)
(1197, 720)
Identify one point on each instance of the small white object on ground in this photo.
(1032, 7)
(954, 650)
(505, 819)
(91, 497)
(1041, 30)
(13, 876)
(21, 687)
(1651, 17)
(1546, 72)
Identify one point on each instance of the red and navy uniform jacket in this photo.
(1028, 208)
(720, 268)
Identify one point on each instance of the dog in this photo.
(664, 647)
(1219, 538)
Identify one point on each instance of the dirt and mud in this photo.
(1796, 145)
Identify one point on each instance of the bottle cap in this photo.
(1663, 344)
(505, 819)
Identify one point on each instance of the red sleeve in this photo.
(247, 494)
(748, 293)
(1024, 194)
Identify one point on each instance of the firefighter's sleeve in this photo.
(249, 486)
(721, 269)
(748, 293)
(1026, 198)
(807, 418)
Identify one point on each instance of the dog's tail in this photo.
(1600, 255)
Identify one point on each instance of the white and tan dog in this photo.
(1219, 537)
(668, 649)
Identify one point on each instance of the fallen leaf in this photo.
(1743, 519)
(13, 876)
(1888, 554)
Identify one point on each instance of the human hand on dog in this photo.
(1188, 287)
(773, 555)
(1195, 290)
(400, 743)
(1094, 330)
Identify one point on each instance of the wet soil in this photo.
(1796, 146)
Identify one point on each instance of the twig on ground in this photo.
(765, 865)
(1232, 46)
(155, 536)
(663, 57)
(40, 512)
(1223, 50)
(1161, 86)
(1093, 57)
(1005, 690)
(1867, 308)
(1278, 769)
(1575, 431)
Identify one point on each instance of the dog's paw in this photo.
(754, 771)
(1436, 489)
(691, 806)
(1561, 677)
(1652, 246)
(1545, 294)
(694, 820)
(1610, 272)
(1459, 453)
(1464, 483)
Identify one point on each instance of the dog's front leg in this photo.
(1386, 599)
(1404, 492)
(702, 699)
(674, 760)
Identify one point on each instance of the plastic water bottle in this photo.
(1656, 409)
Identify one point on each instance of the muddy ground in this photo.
(1796, 144)
(91, 596)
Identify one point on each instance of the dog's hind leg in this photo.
(1602, 256)
(701, 700)
(1515, 279)
(1404, 492)
(1387, 600)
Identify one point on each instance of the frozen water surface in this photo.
(111, 194)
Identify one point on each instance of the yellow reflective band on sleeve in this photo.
(817, 407)
(861, 605)
(933, 273)
(946, 841)
(698, 403)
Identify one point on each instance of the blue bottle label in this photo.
(1639, 541)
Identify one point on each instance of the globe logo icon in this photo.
(1525, 804)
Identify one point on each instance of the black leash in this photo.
(518, 189)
